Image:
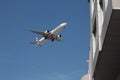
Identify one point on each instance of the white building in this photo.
(104, 60)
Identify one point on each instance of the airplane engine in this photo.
(47, 31)
(59, 37)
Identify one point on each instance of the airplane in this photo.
(49, 35)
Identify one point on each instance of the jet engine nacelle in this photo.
(59, 37)
(47, 31)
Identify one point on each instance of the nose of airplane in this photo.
(64, 24)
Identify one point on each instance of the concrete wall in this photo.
(85, 77)
(102, 16)
(116, 4)
(118, 78)
(94, 47)
(107, 15)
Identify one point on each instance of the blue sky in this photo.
(20, 60)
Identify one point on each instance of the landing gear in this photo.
(52, 40)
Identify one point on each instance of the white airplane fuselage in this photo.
(52, 34)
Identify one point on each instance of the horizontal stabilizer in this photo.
(32, 42)
(38, 32)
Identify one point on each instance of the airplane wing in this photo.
(59, 28)
(40, 42)
(38, 32)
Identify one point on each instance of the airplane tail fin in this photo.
(34, 43)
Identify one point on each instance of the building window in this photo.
(101, 13)
(94, 29)
(94, 35)
(101, 4)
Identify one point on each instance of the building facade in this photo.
(104, 56)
